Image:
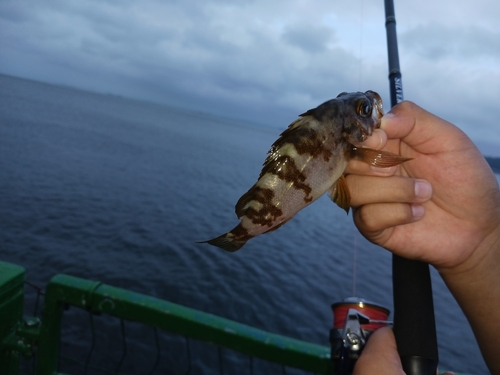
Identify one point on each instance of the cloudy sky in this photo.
(264, 61)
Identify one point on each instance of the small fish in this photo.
(307, 160)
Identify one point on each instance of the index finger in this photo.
(376, 141)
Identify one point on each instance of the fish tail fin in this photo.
(228, 242)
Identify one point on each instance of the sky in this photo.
(263, 61)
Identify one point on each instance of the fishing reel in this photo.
(354, 320)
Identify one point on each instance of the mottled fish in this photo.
(307, 160)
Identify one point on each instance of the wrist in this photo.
(482, 264)
(475, 284)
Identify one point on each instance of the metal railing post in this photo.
(11, 314)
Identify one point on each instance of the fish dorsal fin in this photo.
(305, 137)
(291, 135)
(340, 195)
(309, 112)
(377, 158)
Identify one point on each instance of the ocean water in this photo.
(118, 190)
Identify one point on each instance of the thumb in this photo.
(421, 130)
(380, 355)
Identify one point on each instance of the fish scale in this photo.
(307, 160)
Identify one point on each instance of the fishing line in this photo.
(360, 74)
(360, 81)
(354, 264)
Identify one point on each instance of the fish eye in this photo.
(364, 108)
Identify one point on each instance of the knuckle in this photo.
(376, 217)
(403, 190)
(368, 217)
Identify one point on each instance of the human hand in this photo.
(447, 194)
(442, 207)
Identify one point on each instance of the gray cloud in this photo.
(454, 72)
(309, 38)
(259, 60)
(436, 41)
(220, 52)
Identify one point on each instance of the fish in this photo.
(307, 160)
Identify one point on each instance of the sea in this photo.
(118, 190)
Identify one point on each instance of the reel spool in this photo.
(354, 320)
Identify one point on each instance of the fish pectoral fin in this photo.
(377, 158)
(340, 195)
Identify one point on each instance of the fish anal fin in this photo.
(340, 195)
(382, 159)
(278, 226)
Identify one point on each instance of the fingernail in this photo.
(418, 211)
(385, 170)
(387, 118)
(376, 133)
(423, 190)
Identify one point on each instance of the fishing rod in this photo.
(414, 323)
(355, 319)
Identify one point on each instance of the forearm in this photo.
(476, 286)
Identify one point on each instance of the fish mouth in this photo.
(365, 135)
(378, 107)
(377, 114)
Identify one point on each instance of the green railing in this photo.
(28, 337)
